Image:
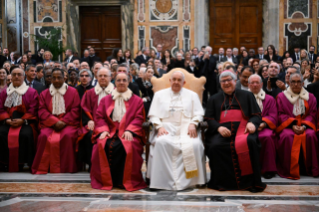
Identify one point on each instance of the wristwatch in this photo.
(25, 121)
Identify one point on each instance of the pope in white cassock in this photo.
(176, 159)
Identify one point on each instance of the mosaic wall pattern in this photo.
(48, 10)
(296, 24)
(165, 22)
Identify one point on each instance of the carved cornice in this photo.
(100, 2)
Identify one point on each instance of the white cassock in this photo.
(176, 161)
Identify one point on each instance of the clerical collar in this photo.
(176, 93)
(231, 95)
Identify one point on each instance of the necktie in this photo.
(261, 57)
(297, 56)
(95, 81)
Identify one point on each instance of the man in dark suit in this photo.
(314, 88)
(30, 74)
(282, 75)
(69, 56)
(270, 84)
(158, 64)
(209, 65)
(312, 56)
(144, 57)
(296, 54)
(220, 56)
(38, 58)
(6, 54)
(229, 57)
(92, 57)
(260, 54)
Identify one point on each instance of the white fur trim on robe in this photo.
(119, 106)
(297, 100)
(103, 92)
(260, 97)
(58, 104)
(14, 95)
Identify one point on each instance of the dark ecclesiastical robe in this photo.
(56, 150)
(116, 161)
(297, 153)
(81, 89)
(234, 161)
(267, 136)
(17, 144)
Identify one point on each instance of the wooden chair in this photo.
(192, 83)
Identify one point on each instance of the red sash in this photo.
(13, 145)
(241, 145)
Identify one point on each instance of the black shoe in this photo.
(253, 190)
(269, 175)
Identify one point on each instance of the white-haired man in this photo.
(176, 159)
(233, 118)
(266, 130)
(18, 120)
(89, 105)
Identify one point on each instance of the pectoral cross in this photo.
(172, 111)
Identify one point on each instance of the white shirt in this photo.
(230, 59)
(244, 88)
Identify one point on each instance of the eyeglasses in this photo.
(17, 74)
(226, 81)
(295, 82)
(84, 75)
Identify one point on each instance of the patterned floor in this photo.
(72, 192)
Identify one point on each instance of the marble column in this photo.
(201, 23)
(127, 25)
(73, 27)
(271, 23)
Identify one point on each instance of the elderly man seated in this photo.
(176, 159)
(18, 119)
(266, 130)
(89, 104)
(118, 134)
(298, 144)
(233, 118)
(59, 116)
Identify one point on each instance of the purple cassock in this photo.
(297, 152)
(267, 136)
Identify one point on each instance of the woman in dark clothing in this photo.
(167, 60)
(146, 88)
(271, 56)
(118, 55)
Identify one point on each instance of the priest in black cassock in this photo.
(232, 144)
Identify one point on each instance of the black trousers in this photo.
(116, 156)
(26, 146)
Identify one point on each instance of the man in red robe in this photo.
(116, 157)
(18, 117)
(90, 102)
(297, 146)
(59, 116)
(266, 130)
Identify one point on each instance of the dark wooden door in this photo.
(101, 29)
(235, 23)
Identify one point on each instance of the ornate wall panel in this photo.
(297, 24)
(166, 22)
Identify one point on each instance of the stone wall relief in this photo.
(163, 10)
(141, 11)
(297, 34)
(298, 6)
(167, 36)
(48, 11)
